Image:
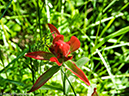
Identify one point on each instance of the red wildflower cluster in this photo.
(59, 52)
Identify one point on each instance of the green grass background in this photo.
(102, 26)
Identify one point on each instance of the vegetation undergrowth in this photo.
(102, 26)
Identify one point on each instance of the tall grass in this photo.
(100, 25)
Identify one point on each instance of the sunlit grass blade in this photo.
(107, 66)
(117, 33)
(103, 20)
(108, 25)
(113, 2)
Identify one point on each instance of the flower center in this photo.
(61, 48)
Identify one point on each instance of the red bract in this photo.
(59, 52)
(62, 49)
(94, 93)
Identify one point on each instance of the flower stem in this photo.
(68, 82)
(63, 78)
(38, 20)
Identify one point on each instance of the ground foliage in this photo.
(100, 25)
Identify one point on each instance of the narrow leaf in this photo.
(82, 61)
(44, 78)
(77, 71)
(79, 63)
(53, 30)
(40, 55)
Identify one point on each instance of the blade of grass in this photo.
(48, 12)
(117, 33)
(107, 66)
(103, 20)
(111, 21)
(126, 5)
(100, 15)
(109, 5)
(115, 46)
(108, 25)
(64, 82)
(6, 9)
(118, 76)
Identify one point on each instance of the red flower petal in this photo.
(53, 30)
(94, 93)
(77, 71)
(40, 55)
(54, 59)
(62, 47)
(74, 43)
(59, 37)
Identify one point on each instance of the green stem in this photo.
(38, 11)
(69, 82)
(32, 69)
(63, 78)
(33, 73)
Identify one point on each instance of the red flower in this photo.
(60, 50)
(59, 53)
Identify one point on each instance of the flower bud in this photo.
(61, 48)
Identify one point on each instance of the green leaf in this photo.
(77, 71)
(44, 78)
(82, 61)
(40, 55)
(79, 64)
(16, 27)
